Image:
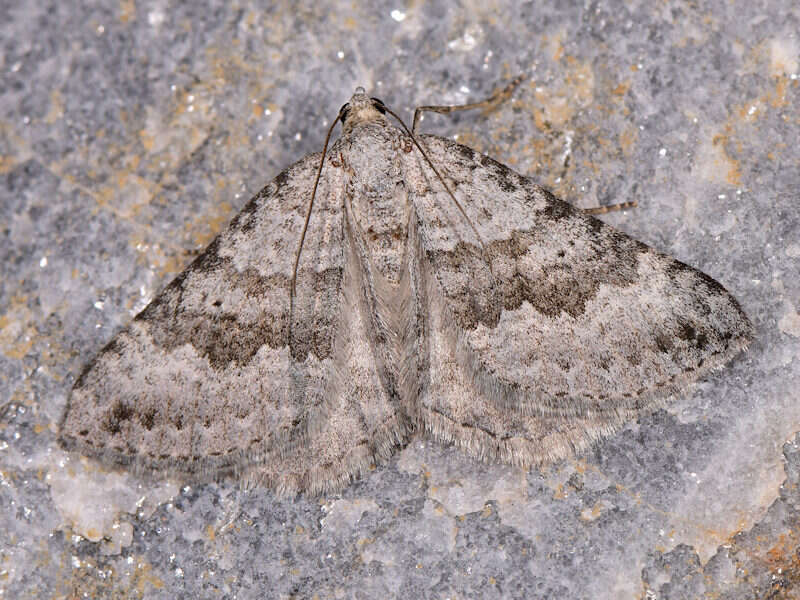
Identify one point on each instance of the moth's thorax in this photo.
(372, 158)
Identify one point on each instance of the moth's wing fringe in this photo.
(246, 466)
(323, 480)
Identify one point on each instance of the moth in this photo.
(397, 283)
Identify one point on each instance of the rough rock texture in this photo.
(130, 133)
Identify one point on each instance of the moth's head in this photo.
(361, 109)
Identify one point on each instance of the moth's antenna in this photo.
(308, 218)
(444, 183)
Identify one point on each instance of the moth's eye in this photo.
(343, 111)
(379, 106)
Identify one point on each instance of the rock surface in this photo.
(131, 132)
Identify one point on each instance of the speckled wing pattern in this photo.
(205, 380)
(574, 328)
(498, 318)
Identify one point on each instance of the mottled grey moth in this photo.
(434, 290)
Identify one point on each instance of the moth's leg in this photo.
(500, 95)
(601, 210)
